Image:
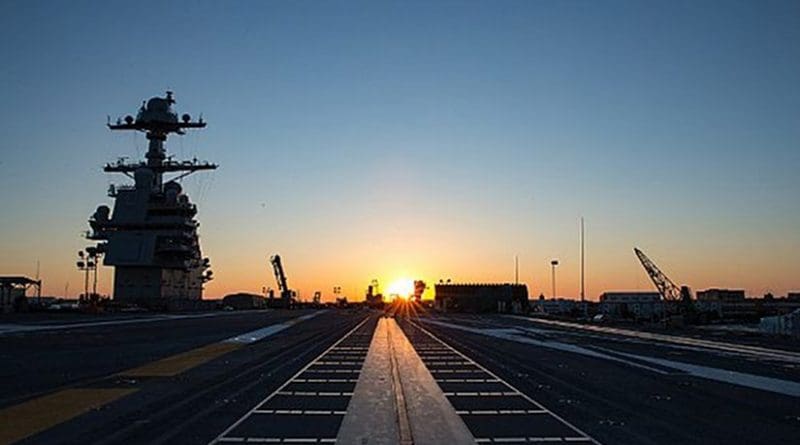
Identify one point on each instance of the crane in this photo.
(280, 277)
(669, 291)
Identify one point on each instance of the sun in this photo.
(401, 288)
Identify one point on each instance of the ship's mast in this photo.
(157, 120)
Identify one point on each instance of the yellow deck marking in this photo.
(184, 361)
(34, 416)
(31, 417)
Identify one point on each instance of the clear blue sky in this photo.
(430, 139)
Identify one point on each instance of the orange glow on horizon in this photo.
(400, 288)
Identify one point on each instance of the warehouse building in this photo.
(244, 301)
(481, 297)
(725, 295)
(554, 306)
(632, 304)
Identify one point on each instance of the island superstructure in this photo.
(151, 238)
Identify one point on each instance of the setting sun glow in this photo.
(401, 288)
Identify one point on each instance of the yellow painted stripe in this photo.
(31, 417)
(179, 363)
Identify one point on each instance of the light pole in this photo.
(85, 265)
(553, 265)
(87, 262)
(94, 262)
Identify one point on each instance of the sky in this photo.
(432, 140)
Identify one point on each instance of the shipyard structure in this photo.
(481, 297)
(151, 236)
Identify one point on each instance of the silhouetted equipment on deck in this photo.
(481, 297)
(12, 293)
(374, 298)
(419, 288)
(669, 291)
(244, 301)
(286, 294)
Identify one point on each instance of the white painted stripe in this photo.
(277, 440)
(340, 371)
(300, 412)
(779, 386)
(260, 334)
(761, 352)
(497, 412)
(324, 381)
(483, 394)
(314, 394)
(222, 435)
(513, 334)
(18, 328)
(510, 386)
(339, 363)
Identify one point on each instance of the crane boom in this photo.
(668, 290)
(280, 277)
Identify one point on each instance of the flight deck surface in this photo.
(359, 376)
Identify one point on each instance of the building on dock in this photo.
(554, 306)
(632, 304)
(13, 293)
(244, 301)
(481, 297)
(723, 295)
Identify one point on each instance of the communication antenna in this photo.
(583, 283)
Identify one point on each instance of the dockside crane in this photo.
(669, 291)
(285, 293)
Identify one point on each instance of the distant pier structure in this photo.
(151, 237)
(481, 297)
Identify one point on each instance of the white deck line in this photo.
(260, 334)
(14, 328)
(510, 386)
(758, 351)
(222, 438)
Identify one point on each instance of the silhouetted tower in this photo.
(280, 277)
(151, 238)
